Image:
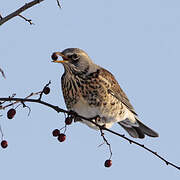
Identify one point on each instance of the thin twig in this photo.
(58, 3)
(40, 96)
(1, 71)
(2, 135)
(107, 143)
(25, 106)
(58, 109)
(11, 104)
(28, 20)
(19, 11)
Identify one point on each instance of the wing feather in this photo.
(115, 89)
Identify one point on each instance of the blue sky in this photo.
(138, 41)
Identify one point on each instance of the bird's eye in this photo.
(74, 57)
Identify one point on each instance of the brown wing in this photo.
(115, 89)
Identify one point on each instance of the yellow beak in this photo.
(56, 61)
(65, 59)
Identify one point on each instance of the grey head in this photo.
(77, 61)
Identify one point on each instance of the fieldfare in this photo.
(92, 91)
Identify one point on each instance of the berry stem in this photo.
(2, 135)
(107, 143)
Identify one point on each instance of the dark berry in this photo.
(46, 90)
(11, 113)
(54, 56)
(4, 144)
(68, 120)
(108, 163)
(56, 132)
(62, 137)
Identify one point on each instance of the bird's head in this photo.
(75, 60)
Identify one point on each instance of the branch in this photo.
(28, 20)
(58, 3)
(11, 104)
(106, 142)
(58, 109)
(18, 11)
(2, 72)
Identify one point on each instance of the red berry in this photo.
(56, 132)
(11, 113)
(61, 137)
(54, 56)
(108, 163)
(46, 90)
(4, 144)
(68, 120)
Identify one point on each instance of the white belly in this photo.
(109, 114)
(83, 109)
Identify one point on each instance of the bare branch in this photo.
(25, 106)
(58, 3)
(19, 11)
(58, 109)
(11, 104)
(28, 20)
(40, 96)
(1, 132)
(2, 72)
(106, 141)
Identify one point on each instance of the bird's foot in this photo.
(97, 118)
(77, 119)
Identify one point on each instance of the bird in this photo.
(92, 91)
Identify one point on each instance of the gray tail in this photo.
(139, 131)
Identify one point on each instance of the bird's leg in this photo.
(97, 119)
(74, 115)
(77, 119)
